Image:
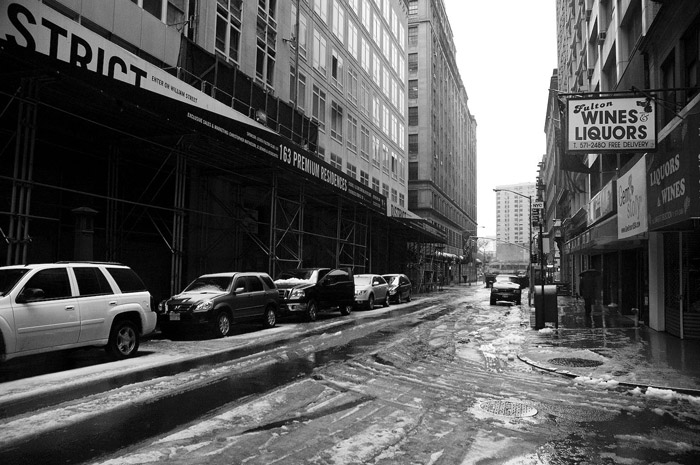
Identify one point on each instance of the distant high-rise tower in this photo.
(513, 213)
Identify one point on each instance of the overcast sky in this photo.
(506, 51)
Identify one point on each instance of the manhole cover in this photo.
(575, 362)
(508, 408)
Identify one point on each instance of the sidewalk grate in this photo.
(508, 408)
(575, 362)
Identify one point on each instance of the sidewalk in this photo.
(606, 348)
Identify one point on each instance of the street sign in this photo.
(537, 205)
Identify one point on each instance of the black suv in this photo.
(308, 291)
(218, 300)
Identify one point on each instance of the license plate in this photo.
(174, 317)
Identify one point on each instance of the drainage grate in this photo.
(508, 408)
(575, 362)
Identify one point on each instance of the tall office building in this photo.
(513, 213)
(441, 129)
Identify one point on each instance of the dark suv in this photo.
(308, 291)
(218, 300)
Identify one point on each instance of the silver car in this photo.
(370, 289)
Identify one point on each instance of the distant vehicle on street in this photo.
(399, 287)
(371, 289)
(66, 305)
(506, 287)
(219, 300)
(309, 291)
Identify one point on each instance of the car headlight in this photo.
(161, 306)
(297, 294)
(204, 306)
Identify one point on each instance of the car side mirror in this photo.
(30, 294)
(239, 290)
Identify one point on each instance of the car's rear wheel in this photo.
(123, 340)
(346, 309)
(222, 324)
(270, 317)
(370, 302)
(398, 297)
(312, 311)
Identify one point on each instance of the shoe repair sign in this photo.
(618, 124)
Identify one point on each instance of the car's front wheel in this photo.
(346, 309)
(312, 311)
(222, 324)
(123, 340)
(370, 302)
(270, 317)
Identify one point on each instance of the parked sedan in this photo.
(218, 300)
(399, 287)
(506, 287)
(371, 288)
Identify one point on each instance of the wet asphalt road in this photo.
(438, 382)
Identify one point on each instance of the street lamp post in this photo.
(529, 198)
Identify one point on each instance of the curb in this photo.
(570, 375)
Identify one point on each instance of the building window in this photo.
(266, 42)
(318, 108)
(302, 36)
(351, 170)
(321, 9)
(352, 85)
(366, 15)
(336, 121)
(413, 36)
(352, 133)
(319, 59)
(365, 55)
(364, 98)
(364, 142)
(376, 110)
(376, 152)
(375, 184)
(385, 190)
(364, 177)
(336, 161)
(228, 28)
(394, 163)
(413, 116)
(412, 7)
(338, 21)
(376, 69)
(337, 69)
(394, 195)
(402, 200)
(412, 64)
(413, 89)
(352, 40)
(413, 144)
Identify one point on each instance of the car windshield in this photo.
(297, 277)
(9, 277)
(392, 279)
(363, 280)
(209, 284)
(506, 279)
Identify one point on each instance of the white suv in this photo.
(64, 305)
